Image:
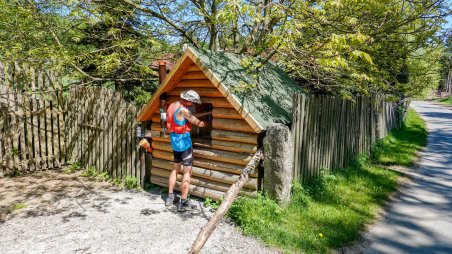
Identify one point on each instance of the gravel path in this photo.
(420, 218)
(68, 214)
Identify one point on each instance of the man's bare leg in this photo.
(186, 181)
(171, 183)
(173, 177)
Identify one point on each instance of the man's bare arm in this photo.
(202, 114)
(191, 118)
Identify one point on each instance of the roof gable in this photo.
(269, 102)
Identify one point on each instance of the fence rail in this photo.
(31, 119)
(328, 131)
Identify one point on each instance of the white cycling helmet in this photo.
(192, 96)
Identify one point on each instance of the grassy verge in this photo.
(331, 210)
(447, 100)
(401, 145)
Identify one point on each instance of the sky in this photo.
(449, 22)
(449, 18)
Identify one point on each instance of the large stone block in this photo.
(278, 163)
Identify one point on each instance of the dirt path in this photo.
(70, 214)
(420, 218)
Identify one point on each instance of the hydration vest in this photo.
(174, 125)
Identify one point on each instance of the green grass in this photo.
(401, 145)
(330, 211)
(89, 172)
(447, 100)
(15, 207)
(72, 168)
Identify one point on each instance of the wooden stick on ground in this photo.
(229, 197)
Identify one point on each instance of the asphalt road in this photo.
(420, 219)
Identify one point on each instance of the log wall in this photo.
(217, 162)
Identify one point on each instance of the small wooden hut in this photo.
(243, 105)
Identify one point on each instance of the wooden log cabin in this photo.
(242, 106)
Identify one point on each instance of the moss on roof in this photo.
(270, 101)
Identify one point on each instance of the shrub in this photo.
(89, 172)
(131, 183)
(103, 177)
(72, 168)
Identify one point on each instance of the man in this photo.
(178, 122)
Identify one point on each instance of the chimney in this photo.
(162, 71)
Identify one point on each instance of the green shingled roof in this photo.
(270, 102)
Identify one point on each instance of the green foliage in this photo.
(329, 211)
(208, 202)
(343, 47)
(116, 182)
(89, 172)
(131, 183)
(72, 168)
(15, 207)
(140, 96)
(103, 177)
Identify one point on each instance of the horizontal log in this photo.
(234, 136)
(155, 118)
(198, 181)
(195, 83)
(203, 92)
(193, 190)
(217, 176)
(220, 166)
(232, 125)
(216, 102)
(208, 164)
(224, 156)
(158, 136)
(193, 181)
(162, 143)
(156, 127)
(228, 113)
(194, 75)
(163, 146)
(193, 68)
(234, 146)
(198, 142)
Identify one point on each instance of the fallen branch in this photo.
(229, 198)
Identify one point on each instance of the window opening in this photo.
(203, 133)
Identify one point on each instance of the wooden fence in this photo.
(101, 132)
(31, 119)
(94, 126)
(329, 132)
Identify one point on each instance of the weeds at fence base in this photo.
(72, 168)
(129, 182)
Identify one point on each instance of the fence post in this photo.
(278, 162)
(297, 132)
